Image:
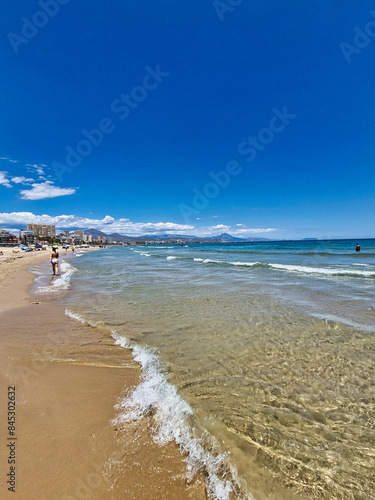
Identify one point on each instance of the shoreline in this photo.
(68, 378)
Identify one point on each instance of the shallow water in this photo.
(271, 345)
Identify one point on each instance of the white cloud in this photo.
(4, 181)
(22, 180)
(240, 230)
(8, 158)
(45, 190)
(108, 224)
(210, 217)
(219, 227)
(37, 168)
(108, 219)
(249, 230)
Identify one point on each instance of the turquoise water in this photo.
(270, 345)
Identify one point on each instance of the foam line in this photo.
(173, 416)
(60, 283)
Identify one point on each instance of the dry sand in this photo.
(68, 378)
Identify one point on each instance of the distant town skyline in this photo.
(190, 117)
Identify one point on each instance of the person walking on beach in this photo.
(358, 248)
(54, 259)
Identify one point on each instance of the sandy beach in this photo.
(68, 378)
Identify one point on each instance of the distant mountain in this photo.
(227, 237)
(121, 238)
(165, 236)
(94, 232)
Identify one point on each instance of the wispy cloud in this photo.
(240, 230)
(9, 159)
(220, 227)
(249, 230)
(34, 167)
(4, 181)
(45, 190)
(22, 180)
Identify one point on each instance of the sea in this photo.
(258, 359)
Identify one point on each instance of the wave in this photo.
(60, 283)
(322, 271)
(325, 271)
(140, 252)
(292, 268)
(334, 318)
(173, 416)
(295, 251)
(79, 318)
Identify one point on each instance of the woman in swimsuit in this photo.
(54, 259)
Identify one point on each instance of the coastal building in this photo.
(6, 238)
(79, 234)
(42, 230)
(25, 236)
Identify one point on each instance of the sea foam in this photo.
(291, 268)
(322, 270)
(173, 419)
(60, 283)
(79, 318)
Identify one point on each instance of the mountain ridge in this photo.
(223, 237)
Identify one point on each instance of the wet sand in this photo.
(68, 378)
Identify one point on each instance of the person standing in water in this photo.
(54, 259)
(358, 248)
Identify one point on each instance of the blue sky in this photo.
(278, 95)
